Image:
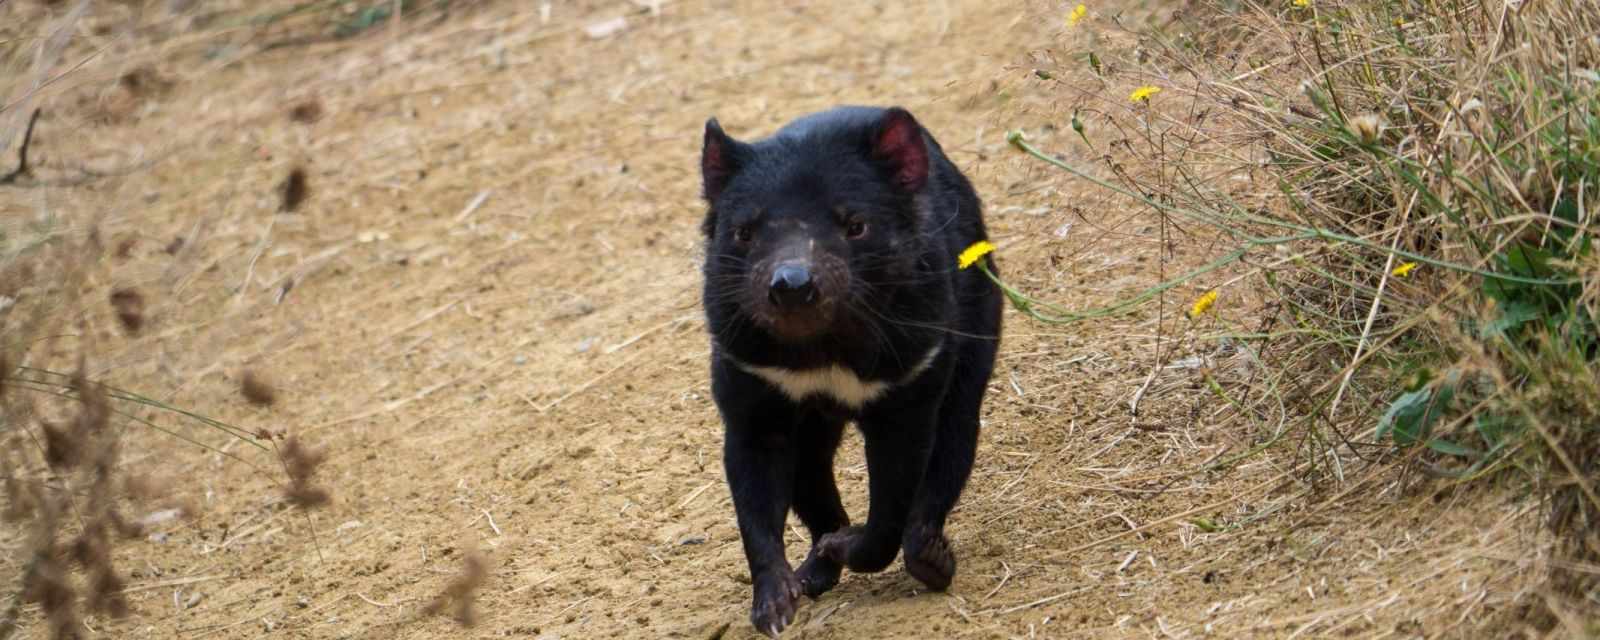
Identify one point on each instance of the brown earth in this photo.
(486, 314)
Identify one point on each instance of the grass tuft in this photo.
(257, 389)
(1407, 191)
(460, 594)
(300, 463)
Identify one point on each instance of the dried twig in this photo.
(22, 153)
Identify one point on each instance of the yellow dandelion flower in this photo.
(1404, 269)
(1203, 304)
(1142, 94)
(1302, 3)
(1077, 15)
(978, 249)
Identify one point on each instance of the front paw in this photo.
(818, 574)
(857, 551)
(776, 594)
(929, 558)
(836, 546)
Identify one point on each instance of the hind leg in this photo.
(816, 499)
(928, 555)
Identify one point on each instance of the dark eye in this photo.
(855, 229)
(742, 234)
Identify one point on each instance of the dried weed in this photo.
(256, 389)
(460, 594)
(294, 190)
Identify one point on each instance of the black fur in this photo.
(834, 243)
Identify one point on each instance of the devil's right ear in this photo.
(720, 159)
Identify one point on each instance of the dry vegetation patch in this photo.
(1395, 206)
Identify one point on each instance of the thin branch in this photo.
(22, 153)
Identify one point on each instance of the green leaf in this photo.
(1494, 429)
(1403, 419)
(1332, 150)
(370, 17)
(1417, 378)
(1566, 209)
(1452, 449)
(1527, 261)
(1513, 314)
(1410, 418)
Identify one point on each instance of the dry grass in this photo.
(459, 596)
(1404, 196)
(62, 440)
(62, 437)
(256, 389)
(300, 464)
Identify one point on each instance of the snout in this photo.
(792, 287)
(794, 291)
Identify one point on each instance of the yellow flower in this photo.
(978, 249)
(1142, 94)
(1302, 3)
(1077, 15)
(1404, 269)
(1203, 304)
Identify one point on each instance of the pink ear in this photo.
(718, 159)
(899, 143)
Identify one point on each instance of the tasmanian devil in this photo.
(832, 295)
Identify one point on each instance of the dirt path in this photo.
(493, 329)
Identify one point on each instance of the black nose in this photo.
(791, 286)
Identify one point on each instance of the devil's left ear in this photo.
(898, 143)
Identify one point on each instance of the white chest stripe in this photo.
(839, 382)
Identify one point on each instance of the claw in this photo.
(772, 631)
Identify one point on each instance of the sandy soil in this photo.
(486, 314)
